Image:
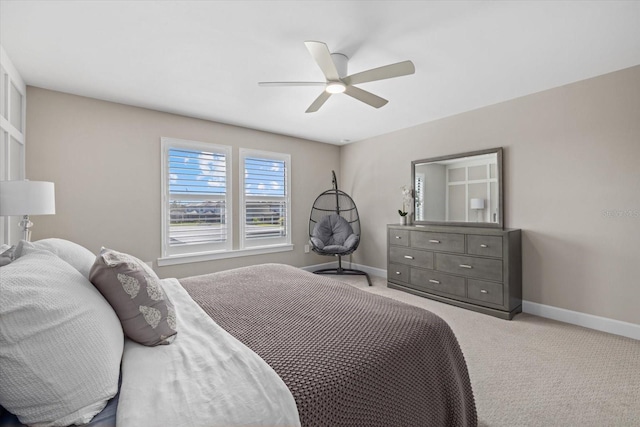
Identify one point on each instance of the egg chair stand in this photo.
(334, 228)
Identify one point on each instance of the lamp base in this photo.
(26, 225)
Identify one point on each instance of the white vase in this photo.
(403, 220)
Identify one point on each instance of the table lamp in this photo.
(24, 198)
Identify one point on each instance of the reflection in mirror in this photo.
(462, 189)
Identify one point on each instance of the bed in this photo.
(305, 350)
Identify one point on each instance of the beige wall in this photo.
(105, 161)
(572, 154)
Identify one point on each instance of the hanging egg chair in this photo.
(334, 228)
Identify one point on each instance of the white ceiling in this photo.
(204, 58)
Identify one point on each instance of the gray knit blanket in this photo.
(350, 358)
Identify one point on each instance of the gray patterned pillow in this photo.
(135, 293)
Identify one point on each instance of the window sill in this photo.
(211, 256)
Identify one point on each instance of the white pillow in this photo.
(78, 256)
(60, 343)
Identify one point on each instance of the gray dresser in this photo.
(476, 268)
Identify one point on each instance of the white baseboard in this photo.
(604, 324)
(370, 270)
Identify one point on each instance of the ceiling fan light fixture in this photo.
(334, 68)
(335, 87)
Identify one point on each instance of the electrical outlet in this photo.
(306, 249)
(150, 264)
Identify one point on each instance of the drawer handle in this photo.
(437, 282)
(434, 241)
(398, 237)
(484, 246)
(398, 273)
(484, 291)
(408, 257)
(465, 266)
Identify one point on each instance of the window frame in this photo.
(265, 242)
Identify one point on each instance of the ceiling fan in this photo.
(334, 68)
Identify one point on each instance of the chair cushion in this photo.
(333, 234)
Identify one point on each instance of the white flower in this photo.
(406, 198)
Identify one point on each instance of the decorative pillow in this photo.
(135, 293)
(60, 343)
(7, 254)
(78, 256)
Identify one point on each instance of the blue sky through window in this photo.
(197, 172)
(201, 172)
(264, 177)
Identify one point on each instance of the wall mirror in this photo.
(461, 189)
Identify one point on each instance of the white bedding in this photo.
(204, 378)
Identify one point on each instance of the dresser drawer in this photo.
(484, 245)
(398, 237)
(446, 242)
(433, 281)
(407, 256)
(485, 291)
(478, 268)
(398, 272)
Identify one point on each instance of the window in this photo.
(197, 204)
(265, 204)
(196, 197)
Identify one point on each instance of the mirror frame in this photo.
(499, 224)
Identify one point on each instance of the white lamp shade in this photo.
(477, 203)
(27, 198)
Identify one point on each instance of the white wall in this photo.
(571, 179)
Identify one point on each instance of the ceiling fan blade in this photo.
(315, 106)
(366, 97)
(320, 53)
(388, 71)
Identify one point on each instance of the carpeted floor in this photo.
(533, 371)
